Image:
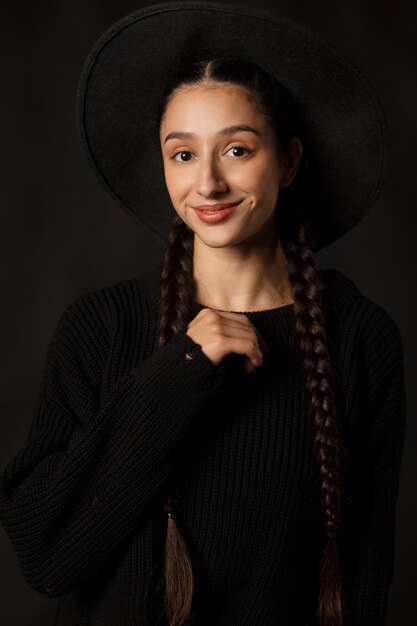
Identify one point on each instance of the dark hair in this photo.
(275, 103)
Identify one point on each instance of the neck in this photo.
(241, 278)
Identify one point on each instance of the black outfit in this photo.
(120, 424)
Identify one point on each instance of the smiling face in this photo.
(217, 149)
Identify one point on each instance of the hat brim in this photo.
(125, 73)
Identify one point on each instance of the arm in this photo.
(91, 469)
(370, 521)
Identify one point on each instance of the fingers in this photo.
(220, 333)
(245, 345)
(237, 319)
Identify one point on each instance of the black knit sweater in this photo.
(120, 424)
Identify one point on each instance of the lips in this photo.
(215, 213)
(213, 208)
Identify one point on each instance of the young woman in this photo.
(219, 440)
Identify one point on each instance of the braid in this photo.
(177, 293)
(319, 384)
(177, 283)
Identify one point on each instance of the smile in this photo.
(216, 212)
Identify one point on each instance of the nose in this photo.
(210, 178)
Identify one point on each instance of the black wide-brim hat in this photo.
(125, 74)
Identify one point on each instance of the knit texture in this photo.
(120, 424)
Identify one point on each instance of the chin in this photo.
(219, 239)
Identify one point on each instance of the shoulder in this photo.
(359, 323)
(107, 304)
(343, 298)
(90, 323)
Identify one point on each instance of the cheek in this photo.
(173, 181)
(262, 181)
(177, 187)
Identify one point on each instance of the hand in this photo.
(220, 333)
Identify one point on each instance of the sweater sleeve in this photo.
(369, 540)
(91, 468)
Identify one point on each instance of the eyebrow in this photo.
(229, 130)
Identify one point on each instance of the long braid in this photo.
(177, 293)
(177, 283)
(319, 386)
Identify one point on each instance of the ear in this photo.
(291, 162)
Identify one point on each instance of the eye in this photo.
(237, 148)
(182, 153)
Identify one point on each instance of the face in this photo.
(217, 149)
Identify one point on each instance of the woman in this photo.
(218, 441)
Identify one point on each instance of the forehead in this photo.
(215, 104)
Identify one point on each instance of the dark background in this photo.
(61, 235)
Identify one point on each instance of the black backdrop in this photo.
(61, 235)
